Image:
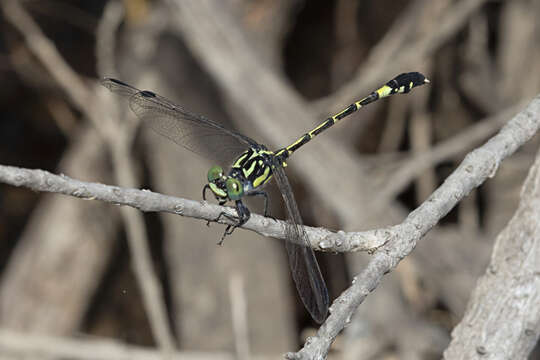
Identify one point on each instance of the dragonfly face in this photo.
(224, 187)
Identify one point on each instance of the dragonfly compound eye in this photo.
(215, 173)
(234, 189)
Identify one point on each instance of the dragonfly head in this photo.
(223, 186)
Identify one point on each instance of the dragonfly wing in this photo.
(304, 267)
(192, 131)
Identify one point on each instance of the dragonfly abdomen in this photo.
(402, 83)
(304, 139)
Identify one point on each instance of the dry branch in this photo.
(148, 201)
(503, 315)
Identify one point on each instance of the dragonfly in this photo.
(253, 165)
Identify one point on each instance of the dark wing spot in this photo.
(116, 81)
(147, 93)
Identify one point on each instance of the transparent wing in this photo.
(304, 267)
(192, 131)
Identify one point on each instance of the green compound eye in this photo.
(234, 189)
(215, 173)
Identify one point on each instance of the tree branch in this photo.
(148, 201)
(503, 315)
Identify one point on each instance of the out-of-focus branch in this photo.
(387, 49)
(374, 72)
(45, 50)
(458, 144)
(503, 315)
(113, 14)
(237, 294)
(120, 142)
(118, 138)
(19, 345)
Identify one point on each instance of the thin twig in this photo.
(113, 14)
(237, 294)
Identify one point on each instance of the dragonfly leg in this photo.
(204, 191)
(243, 217)
(204, 198)
(266, 202)
(221, 202)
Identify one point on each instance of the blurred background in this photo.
(272, 69)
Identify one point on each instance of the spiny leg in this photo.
(207, 187)
(243, 217)
(223, 213)
(266, 202)
(204, 191)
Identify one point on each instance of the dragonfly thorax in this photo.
(253, 168)
(249, 172)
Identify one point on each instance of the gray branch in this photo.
(503, 317)
(148, 201)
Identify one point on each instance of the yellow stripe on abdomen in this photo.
(384, 91)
